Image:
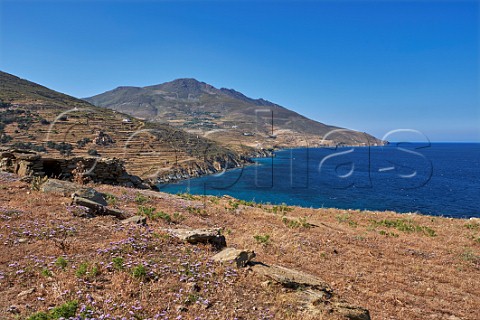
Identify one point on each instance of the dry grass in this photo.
(394, 265)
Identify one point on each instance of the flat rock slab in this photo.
(231, 255)
(67, 189)
(290, 278)
(195, 236)
(136, 220)
(315, 295)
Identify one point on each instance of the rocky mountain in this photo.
(33, 117)
(225, 115)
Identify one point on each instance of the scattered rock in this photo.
(290, 278)
(22, 240)
(136, 220)
(211, 236)
(66, 188)
(13, 309)
(193, 287)
(349, 312)
(26, 292)
(314, 295)
(475, 220)
(240, 257)
(96, 208)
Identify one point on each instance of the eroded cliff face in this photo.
(193, 169)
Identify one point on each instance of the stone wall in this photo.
(99, 170)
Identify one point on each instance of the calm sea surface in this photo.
(437, 179)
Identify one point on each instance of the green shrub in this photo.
(262, 239)
(118, 263)
(140, 198)
(146, 211)
(404, 225)
(46, 273)
(61, 262)
(139, 272)
(66, 310)
(82, 270)
(39, 316)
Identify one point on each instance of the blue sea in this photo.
(432, 178)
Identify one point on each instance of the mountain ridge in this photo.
(203, 109)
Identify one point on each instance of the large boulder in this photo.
(70, 189)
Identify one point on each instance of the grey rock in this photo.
(211, 236)
(240, 257)
(136, 220)
(26, 292)
(66, 188)
(96, 208)
(290, 278)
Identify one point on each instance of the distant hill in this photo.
(35, 117)
(225, 115)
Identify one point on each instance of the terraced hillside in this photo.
(226, 115)
(35, 117)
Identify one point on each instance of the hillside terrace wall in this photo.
(99, 170)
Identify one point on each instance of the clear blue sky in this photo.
(371, 66)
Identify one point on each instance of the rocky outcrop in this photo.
(195, 236)
(67, 189)
(100, 170)
(315, 296)
(193, 169)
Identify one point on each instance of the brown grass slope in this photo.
(397, 266)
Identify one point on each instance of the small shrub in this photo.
(118, 263)
(164, 216)
(39, 316)
(139, 272)
(186, 196)
(66, 310)
(404, 225)
(191, 298)
(111, 199)
(262, 239)
(472, 226)
(196, 211)
(61, 262)
(140, 199)
(82, 270)
(46, 273)
(302, 222)
(178, 217)
(146, 211)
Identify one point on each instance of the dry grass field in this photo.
(398, 266)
